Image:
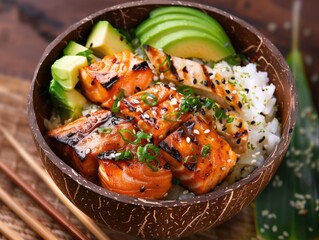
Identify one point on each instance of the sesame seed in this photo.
(274, 228)
(146, 115)
(229, 160)
(87, 151)
(196, 131)
(161, 76)
(223, 168)
(207, 131)
(188, 140)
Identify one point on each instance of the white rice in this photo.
(259, 110)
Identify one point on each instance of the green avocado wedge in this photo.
(183, 10)
(193, 43)
(165, 28)
(151, 23)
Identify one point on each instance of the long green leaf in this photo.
(289, 207)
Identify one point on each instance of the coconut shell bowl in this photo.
(159, 219)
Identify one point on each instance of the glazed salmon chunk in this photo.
(134, 178)
(198, 156)
(62, 139)
(104, 138)
(164, 118)
(104, 80)
(138, 103)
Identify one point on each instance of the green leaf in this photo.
(289, 207)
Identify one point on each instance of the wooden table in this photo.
(27, 26)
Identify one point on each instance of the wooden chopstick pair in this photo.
(46, 206)
(90, 225)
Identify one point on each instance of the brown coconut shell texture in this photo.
(162, 219)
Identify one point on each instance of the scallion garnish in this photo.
(116, 105)
(205, 150)
(127, 155)
(190, 103)
(172, 116)
(122, 131)
(137, 137)
(104, 130)
(209, 103)
(190, 159)
(185, 90)
(88, 54)
(166, 60)
(149, 99)
(148, 154)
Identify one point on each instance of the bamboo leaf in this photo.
(289, 207)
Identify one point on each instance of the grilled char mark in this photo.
(140, 66)
(70, 134)
(129, 105)
(111, 82)
(173, 68)
(110, 122)
(171, 151)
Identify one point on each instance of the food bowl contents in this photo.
(169, 108)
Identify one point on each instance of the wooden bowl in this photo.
(153, 218)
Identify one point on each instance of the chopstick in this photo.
(88, 222)
(26, 216)
(8, 232)
(73, 230)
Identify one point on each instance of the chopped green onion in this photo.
(166, 60)
(127, 155)
(205, 150)
(127, 131)
(148, 154)
(185, 90)
(229, 119)
(87, 53)
(115, 106)
(172, 117)
(138, 136)
(190, 103)
(149, 99)
(209, 103)
(142, 135)
(104, 130)
(190, 159)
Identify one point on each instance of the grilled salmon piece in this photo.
(163, 118)
(104, 138)
(204, 80)
(134, 178)
(234, 132)
(198, 156)
(63, 138)
(134, 105)
(102, 81)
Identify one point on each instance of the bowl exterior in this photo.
(162, 219)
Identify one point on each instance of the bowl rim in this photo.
(280, 148)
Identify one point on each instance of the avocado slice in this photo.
(104, 40)
(184, 10)
(69, 103)
(162, 29)
(74, 49)
(65, 70)
(193, 43)
(150, 23)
